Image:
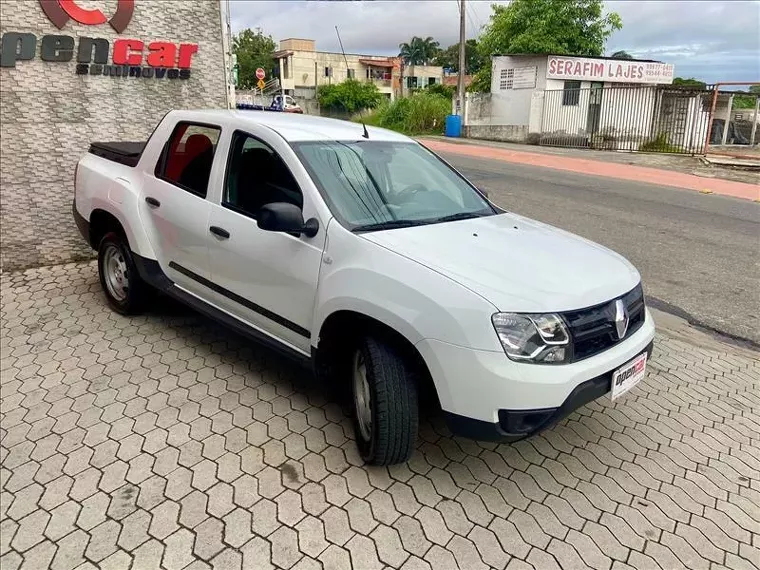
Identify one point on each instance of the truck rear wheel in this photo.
(386, 411)
(125, 290)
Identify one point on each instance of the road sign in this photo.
(260, 73)
(261, 84)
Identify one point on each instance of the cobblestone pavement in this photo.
(166, 441)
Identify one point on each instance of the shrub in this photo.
(658, 144)
(419, 114)
(440, 89)
(349, 96)
(533, 138)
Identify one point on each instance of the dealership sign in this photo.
(96, 56)
(611, 70)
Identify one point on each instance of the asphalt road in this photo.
(699, 255)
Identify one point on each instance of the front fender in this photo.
(416, 301)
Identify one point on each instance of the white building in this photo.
(569, 96)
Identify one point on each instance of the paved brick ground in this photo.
(165, 441)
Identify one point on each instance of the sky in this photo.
(708, 39)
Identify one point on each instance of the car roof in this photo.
(294, 127)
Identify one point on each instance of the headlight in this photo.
(533, 338)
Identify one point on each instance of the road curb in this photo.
(678, 328)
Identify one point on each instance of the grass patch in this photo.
(659, 144)
(420, 114)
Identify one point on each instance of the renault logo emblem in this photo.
(621, 319)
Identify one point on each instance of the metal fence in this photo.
(627, 117)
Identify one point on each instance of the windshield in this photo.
(372, 185)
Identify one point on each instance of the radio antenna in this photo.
(366, 133)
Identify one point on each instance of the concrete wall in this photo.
(510, 111)
(481, 123)
(513, 106)
(49, 115)
(505, 133)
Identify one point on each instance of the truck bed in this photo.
(126, 153)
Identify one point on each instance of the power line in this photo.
(472, 13)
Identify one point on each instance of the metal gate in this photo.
(627, 118)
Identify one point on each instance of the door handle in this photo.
(152, 202)
(222, 233)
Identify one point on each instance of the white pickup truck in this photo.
(366, 256)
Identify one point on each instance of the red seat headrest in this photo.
(196, 144)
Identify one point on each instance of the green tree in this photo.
(449, 57)
(349, 96)
(622, 54)
(747, 101)
(561, 27)
(253, 50)
(419, 51)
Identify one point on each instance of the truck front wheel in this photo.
(125, 290)
(386, 412)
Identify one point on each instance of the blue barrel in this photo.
(453, 125)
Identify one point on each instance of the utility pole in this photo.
(462, 58)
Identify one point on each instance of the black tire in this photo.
(137, 292)
(394, 407)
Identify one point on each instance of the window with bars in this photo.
(571, 93)
(506, 79)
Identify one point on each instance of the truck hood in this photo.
(516, 263)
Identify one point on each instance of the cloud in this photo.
(712, 40)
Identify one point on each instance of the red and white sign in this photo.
(129, 58)
(611, 70)
(260, 73)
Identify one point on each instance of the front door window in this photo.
(256, 176)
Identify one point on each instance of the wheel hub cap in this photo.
(362, 397)
(115, 273)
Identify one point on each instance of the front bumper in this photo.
(486, 396)
(514, 425)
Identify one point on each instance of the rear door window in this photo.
(188, 157)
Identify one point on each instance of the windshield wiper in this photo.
(459, 216)
(390, 224)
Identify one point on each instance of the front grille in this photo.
(593, 329)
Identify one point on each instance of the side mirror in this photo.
(287, 218)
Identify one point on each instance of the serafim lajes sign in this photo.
(129, 58)
(610, 70)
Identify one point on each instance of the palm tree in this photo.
(419, 51)
(410, 52)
